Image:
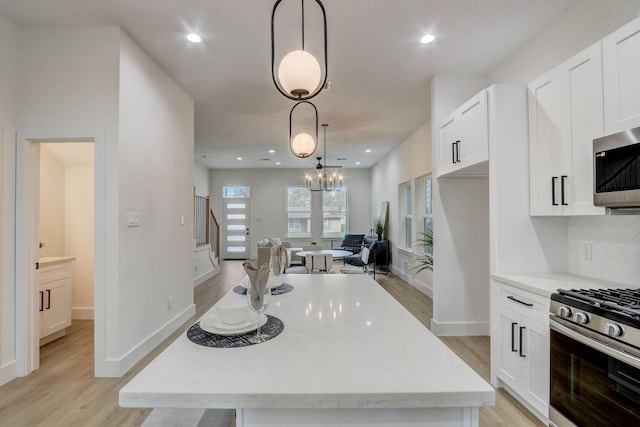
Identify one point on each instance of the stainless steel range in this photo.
(595, 358)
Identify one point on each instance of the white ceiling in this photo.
(378, 69)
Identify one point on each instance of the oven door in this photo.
(592, 384)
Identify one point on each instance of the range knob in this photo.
(564, 311)
(582, 318)
(612, 329)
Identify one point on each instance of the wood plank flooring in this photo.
(64, 392)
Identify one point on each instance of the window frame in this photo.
(345, 211)
(298, 234)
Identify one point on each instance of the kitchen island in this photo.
(349, 353)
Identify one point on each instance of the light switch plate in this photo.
(133, 219)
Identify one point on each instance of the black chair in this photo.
(380, 255)
(352, 243)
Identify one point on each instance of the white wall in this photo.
(155, 163)
(411, 159)
(9, 82)
(201, 179)
(79, 237)
(269, 199)
(52, 204)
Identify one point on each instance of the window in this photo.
(334, 212)
(427, 220)
(404, 194)
(236, 192)
(298, 211)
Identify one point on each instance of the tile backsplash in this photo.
(612, 243)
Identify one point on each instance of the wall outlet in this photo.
(170, 303)
(585, 251)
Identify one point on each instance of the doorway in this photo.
(28, 155)
(236, 202)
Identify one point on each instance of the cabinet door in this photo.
(621, 65)
(587, 123)
(474, 135)
(548, 141)
(536, 360)
(508, 363)
(449, 135)
(56, 314)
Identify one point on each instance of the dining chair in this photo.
(319, 263)
(352, 269)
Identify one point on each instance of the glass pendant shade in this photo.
(299, 73)
(303, 145)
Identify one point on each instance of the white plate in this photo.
(214, 325)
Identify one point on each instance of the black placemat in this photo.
(272, 328)
(282, 289)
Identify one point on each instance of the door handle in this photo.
(520, 353)
(457, 151)
(563, 179)
(453, 152)
(513, 334)
(48, 299)
(41, 301)
(553, 190)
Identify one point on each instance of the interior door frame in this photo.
(26, 242)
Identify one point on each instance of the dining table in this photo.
(347, 354)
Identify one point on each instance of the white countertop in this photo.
(346, 344)
(53, 260)
(547, 283)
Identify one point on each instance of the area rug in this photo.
(170, 417)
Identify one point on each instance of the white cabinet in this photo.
(621, 65)
(565, 115)
(54, 298)
(464, 139)
(520, 345)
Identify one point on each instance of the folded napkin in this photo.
(258, 279)
(279, 260)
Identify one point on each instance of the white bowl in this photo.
(232, 310)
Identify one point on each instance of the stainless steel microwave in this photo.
(616, 177)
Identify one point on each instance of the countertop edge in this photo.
(57, 260)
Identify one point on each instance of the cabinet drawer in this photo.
(54, 272)
(534, 306)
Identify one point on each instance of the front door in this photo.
(236, 211)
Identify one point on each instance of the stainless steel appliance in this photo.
(595, 358)
(616, 181)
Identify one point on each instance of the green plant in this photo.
(378, 226)
(423, 260)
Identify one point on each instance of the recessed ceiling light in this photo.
(427, 38)
(194, 38)
(278, 163)
(357, 163)
(239, 158)
(272, 151)
(368, 150)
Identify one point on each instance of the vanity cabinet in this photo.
(565, 115)
(520, 345)
(464, 139)
(54, 299)
(621, 66)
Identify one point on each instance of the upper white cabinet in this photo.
(565, 115)
(621, 54)
(464, 139)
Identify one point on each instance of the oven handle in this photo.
(596, 345)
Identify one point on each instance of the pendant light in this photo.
(303, 144)
(299, 75)
(321, 178)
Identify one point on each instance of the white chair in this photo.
(320, 263)
(352, 269)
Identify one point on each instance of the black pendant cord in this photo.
(302, 1)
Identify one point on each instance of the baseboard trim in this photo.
(82, 313)
(204, 277)
(118, 367)
(410, 279)
(8, 372)
(459, 329)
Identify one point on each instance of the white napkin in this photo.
(258, 281)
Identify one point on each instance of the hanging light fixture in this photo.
(299, 76)
(303, 144)
(321, 178)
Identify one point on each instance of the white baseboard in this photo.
(410, 279)
(82, 313)
(206, 276)
(8, 372)
(118, 367)
(459, 329)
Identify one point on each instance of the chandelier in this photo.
(300, 76)
(322, 178)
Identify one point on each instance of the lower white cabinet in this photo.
(54, 298)
(520, 346)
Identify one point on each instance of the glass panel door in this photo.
(236, 222)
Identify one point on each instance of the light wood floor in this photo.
(64, 393)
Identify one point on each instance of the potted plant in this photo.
(378, 227)
(423, 260)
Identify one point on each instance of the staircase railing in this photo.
(214, 237)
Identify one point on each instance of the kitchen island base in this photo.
(405, 417)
